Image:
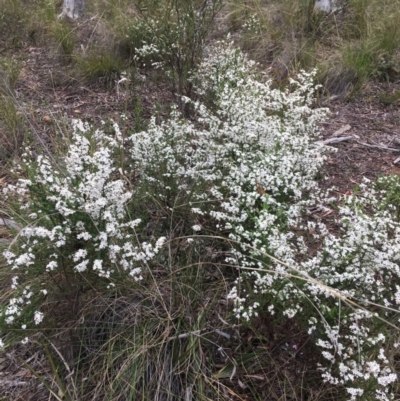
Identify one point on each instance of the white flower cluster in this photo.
(265, 191)
(252, 25)
(270, 180)
(80, 218)
(253, 151)
(246, 166)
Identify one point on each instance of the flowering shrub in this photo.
(77, 228)
(171, 34)
(246, 168)
(348, 291)
(268, 183)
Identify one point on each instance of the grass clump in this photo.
(59, 30)
(64, 36)
(13, 21)
(100, 65)
(163, 249)
(12, 129)
(10, 71)
(12, 123)
(357, 40)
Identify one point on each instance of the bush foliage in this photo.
(147, 217)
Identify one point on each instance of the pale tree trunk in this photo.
(325, 5)
(72, 8)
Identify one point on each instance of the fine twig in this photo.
(13, 383)
(342, 130)
(378, 146)
(9, 223)
(333, 140)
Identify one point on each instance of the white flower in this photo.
(388, 379)
(81, 267)
(51, 265)
(80, 254)
(38, 317)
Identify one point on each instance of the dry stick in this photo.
(346, 138)
(185, 335)
(13, 383)
(223, 334)
(342, 130)
(378, 146)
(333, 140)
(9, 223)
(198, 333)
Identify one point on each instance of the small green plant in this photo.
(389, 98)
(64, 36)
(61, 31)
(12, 123)
(360, 61)
(358, 19)
(100, 65)
(13, 21)
(9, 73)
(138, 110)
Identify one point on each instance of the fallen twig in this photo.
(223, 334)
(191, 333)
(378, 146)
(9, 223)
(333, 140)
(342, 130)
(12, 383)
